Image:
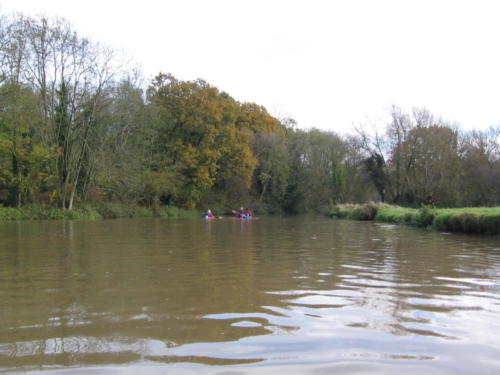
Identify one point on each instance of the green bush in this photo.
(10, 213)
(424, 217)
(170, 212)
(89, 212)
(335, 211)
(342, 210)
(408, 218)
(364, 212)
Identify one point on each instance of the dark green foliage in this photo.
(375, 164)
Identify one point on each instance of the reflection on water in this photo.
(296, 295)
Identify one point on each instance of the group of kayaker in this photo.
(242, 213)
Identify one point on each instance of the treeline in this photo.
(77, 126)
(424, 160)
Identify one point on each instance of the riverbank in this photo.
(474, 220)
(92, 212)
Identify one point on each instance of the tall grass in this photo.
(91, 212)
(469, 220)
(174, 212)
(355, 211)
(422, 217)
(477, 220)
(117, 210)
(39, 212)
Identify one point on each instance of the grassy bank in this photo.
(91, 212)
(477, 220)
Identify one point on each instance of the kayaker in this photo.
(243, 213)
(209, 214)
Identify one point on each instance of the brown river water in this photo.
(301, 295)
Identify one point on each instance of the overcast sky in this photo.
(328, 64)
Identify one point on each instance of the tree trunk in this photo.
(71, 198)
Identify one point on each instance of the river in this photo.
(300, 295)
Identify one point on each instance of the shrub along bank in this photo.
(91, 212)
(476, 220)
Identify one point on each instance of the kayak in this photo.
(241, 216)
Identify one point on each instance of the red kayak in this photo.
(241, 215)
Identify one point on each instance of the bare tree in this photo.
(70, 75)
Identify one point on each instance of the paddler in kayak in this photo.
(209, 215)
(243, 213)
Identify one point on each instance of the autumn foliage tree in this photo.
(201, 139)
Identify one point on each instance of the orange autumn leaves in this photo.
(208, 133)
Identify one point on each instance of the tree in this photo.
(480, 158)
(271, 175)
(123, 152)
(434, 173)
(255, 118)
(69, 75)
(418, 160)
(375, 165)
(317, 170)
(199, 134)
(25, 165)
